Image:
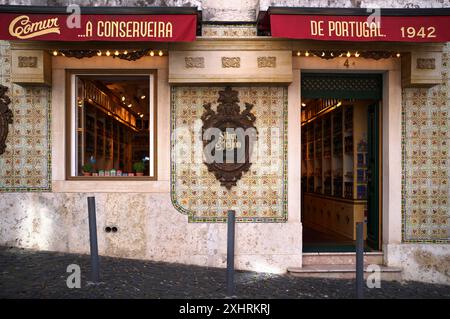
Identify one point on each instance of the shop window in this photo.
(111, 131)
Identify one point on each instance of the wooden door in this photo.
(373, 177)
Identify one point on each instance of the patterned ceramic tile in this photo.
(228, 31)
(261, 194)
(426, 162)
(25, 165)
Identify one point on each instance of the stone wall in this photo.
(149, 227)
(421, 262)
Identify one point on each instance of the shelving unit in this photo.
(110, 134)
(108, 141)
(334, 156)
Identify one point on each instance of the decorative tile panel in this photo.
(261, 193)
(25, 165)
(426, 161)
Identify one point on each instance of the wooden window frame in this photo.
(69, 73)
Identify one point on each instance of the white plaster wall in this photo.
(421, 262)
(148, 228)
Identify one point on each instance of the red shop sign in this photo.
(96, 27)
(360, 28)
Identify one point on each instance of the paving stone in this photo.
(32, 274)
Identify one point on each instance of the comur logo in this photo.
(22, 27)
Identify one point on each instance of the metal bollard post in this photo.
(230, 253)
(359, 260)
(95, 268)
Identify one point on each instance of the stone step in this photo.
(343, 272)
(341, 258)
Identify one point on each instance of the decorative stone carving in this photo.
(194, 62)
(31, 67)
(267, 62)
(230, 66)
(422, 68)
(228, 136)
(231, 62)
(426, 64)
(28, 61)
(6, 117)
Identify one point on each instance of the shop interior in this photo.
(113, 117)
(338, 172)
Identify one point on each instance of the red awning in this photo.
(98, 24)
(391, 25)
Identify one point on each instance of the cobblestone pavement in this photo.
(31, 274)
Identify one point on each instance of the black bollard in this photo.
(230, 253)
(359, 260)
(95, 268)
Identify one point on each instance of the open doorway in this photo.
(340, 160)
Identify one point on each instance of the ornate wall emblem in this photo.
(228, 136)
(426, 64)
(28, 61)
(267, 62)
(231, 62)
(194, 62)
(6, 116)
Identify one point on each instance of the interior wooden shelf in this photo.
(334, 164)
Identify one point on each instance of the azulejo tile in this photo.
(261, 193)
(426, 171)
(26, 162)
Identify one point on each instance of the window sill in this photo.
(86, 185)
